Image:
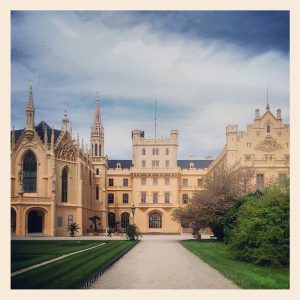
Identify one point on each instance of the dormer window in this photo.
(192, 166)
(118, 165)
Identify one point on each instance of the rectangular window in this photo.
(125, 198)
(97, 171)
(282, 180)
(200, 181)
(110, 182)
(260, 181)
(155, 163)
(155, 181)
(70, 219)
(167, 164)
(143, 181)
(143, 197)
(167, 151)
(167, 197)
(155, 197)
(155, 151)
(185, 198)
(125, 181)
(185, 182)
(143, 151)
(143, 163)
(167, 180)
(111, 198)
(59, 221)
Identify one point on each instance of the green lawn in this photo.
(245, 275)
(67, 273)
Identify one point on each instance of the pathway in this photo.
(161, 262)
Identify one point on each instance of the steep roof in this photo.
(40, 129)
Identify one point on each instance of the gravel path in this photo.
(161, 262)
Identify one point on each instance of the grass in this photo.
(245, 275)
(67, 273)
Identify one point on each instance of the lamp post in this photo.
(133, 208)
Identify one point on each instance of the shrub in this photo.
(133, 232)
(260, 231)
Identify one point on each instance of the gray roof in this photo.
(198, 164)
(124, 163)
(40, 129)
(183, 164)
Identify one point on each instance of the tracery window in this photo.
(29, 173)
(64, 185)
(155, 220)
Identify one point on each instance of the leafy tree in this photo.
(94, 220)
(72, 227)
(261, 232)
(133, 232)
(209, 206)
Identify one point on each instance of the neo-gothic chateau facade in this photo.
(56, 181)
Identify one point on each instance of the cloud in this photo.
(202, 83)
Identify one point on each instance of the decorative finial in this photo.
(268, 106)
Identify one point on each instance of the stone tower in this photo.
(100, 163)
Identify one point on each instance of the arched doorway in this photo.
(13, 221)
(36, 221)
(111, 220)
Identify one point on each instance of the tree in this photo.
(94, 220)
(209, 206)
(72, 227)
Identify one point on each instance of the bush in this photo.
(132, 232)
(259, 232)
(231, 217)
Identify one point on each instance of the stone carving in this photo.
(269, 144)
(65, 149)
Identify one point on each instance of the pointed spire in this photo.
(65, 122)
(30, 110)
(268, 106)
(78, 141)
(13, 138)
(82, 145)
(52, 139)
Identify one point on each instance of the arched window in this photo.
(155, 220)
(29, 173)
(90, 177)
(268, 128)
(64, 185)
(111, 198)
(92, 149)
(111, 220)
(96, 150)
(124, 220)
(100, 150)
(97, 192)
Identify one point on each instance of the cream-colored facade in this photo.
(55, 180)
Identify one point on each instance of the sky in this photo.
(206, 69)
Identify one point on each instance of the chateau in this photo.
(56, 181)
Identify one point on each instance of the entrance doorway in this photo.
(36, 221)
